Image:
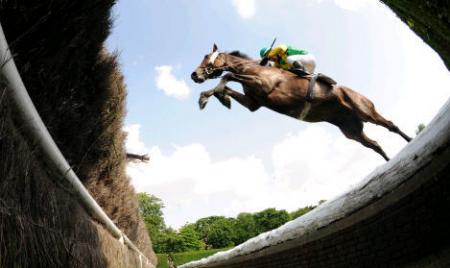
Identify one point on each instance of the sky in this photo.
(223, 162)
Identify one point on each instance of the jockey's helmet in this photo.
(263, 51)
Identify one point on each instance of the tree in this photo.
(203, 225)
(168, 241)
(420, 127)
(209, 232)
(245, 228)
(221, 233)
(150, 207)
(216, 231)
(270, 218)
(299, 212)
(190, 238)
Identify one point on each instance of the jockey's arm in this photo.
(274, 55)
(277, 53)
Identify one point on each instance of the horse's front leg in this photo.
(218, 92)
(243, 99)
(220, 95)
(223, 98)
(204, 96)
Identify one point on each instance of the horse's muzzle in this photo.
(197, 79)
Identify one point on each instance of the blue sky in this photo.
(220, 161)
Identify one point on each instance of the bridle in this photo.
(210, 69)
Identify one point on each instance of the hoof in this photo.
(202, 101)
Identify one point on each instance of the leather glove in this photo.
(264, 61)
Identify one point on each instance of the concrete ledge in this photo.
(407, 198)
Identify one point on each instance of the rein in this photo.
(210, 69)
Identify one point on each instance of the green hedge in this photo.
(185, 257)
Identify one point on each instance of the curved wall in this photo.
(397, 216)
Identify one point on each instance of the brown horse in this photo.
(286, 93)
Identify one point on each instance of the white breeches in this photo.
(309, 61)
(270, 63)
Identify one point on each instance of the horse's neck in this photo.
(236, 64)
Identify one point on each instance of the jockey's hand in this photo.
(264, 61)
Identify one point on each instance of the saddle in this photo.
(313, 78)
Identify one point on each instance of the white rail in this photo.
(51, 153)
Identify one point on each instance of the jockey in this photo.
(289, 58)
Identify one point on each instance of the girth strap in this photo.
(312, 82)
(314, 77)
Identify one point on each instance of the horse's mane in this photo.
(239, 54)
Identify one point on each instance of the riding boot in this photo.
(298, 65)
(298, 69)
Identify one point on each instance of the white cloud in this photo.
(192, 185)
(425, 83)
(308, 166)
(169, 84)
(353, 5)
(133, 142)
(245, 8)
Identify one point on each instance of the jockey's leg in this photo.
(295, 62)
(298, 65)
(308, 62)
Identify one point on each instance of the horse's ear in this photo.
(215, 47)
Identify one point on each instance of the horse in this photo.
(287, 93)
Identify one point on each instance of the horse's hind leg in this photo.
(366, 111)
(376, 118)
(366, 141)
(353, 129)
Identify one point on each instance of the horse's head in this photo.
(211, 66)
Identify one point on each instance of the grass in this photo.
(185, 257)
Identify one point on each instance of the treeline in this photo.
(211, 232)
